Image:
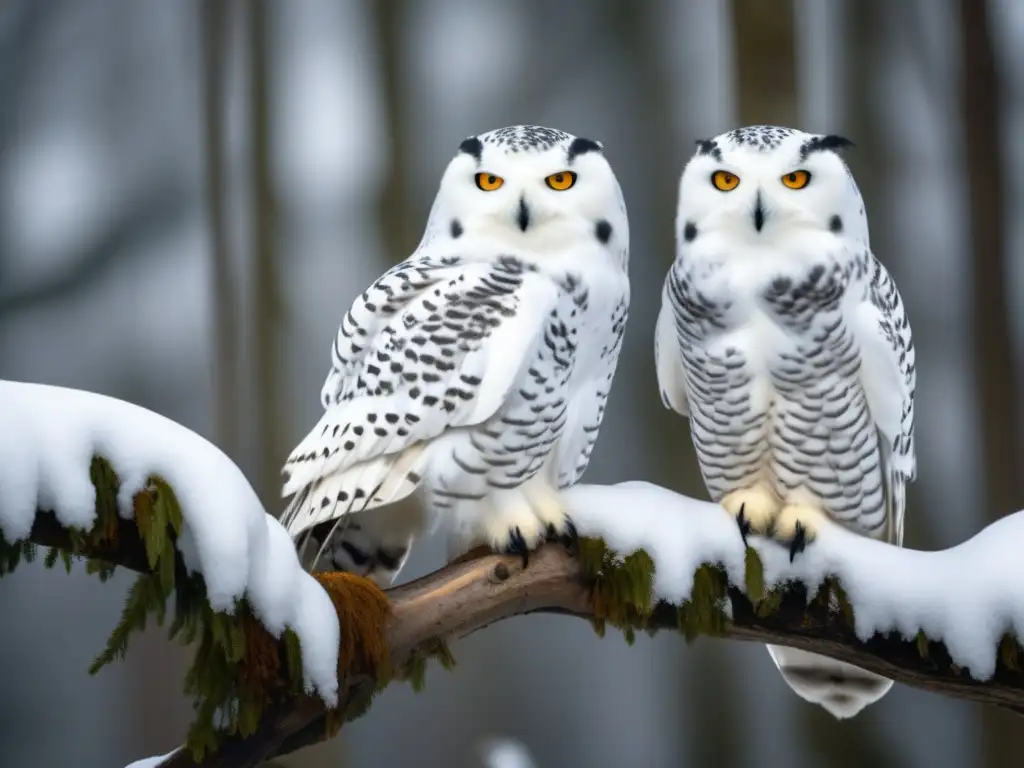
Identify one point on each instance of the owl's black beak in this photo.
(759, 213)
(523, 215)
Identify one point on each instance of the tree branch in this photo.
(468, 596)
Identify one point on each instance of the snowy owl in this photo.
(477, 370)
(785, 342)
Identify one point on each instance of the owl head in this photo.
(765, 184)
(531, 187)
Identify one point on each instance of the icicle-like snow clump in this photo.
(48, 437)
(966, 597)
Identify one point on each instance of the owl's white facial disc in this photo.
(533, 187)
(762, 185)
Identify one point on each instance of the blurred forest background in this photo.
(192, 193)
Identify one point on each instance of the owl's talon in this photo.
(753, 508)
(518, 545)
(799, 542)
(743, 523)
(570, 538)
(797, 526)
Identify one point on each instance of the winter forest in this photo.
(192, 195)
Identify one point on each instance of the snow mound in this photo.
(505, 752)
(966, 597)
(48, 437)
(152, 762)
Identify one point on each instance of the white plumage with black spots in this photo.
(476, 371)
(786, 343)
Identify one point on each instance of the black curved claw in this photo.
(517, 545)
(743, 523)
(571, 538)
(799, 542)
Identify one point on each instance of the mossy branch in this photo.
(251, 682)
(606, 589)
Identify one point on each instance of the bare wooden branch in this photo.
(467, 596)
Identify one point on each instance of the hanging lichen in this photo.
(704, 613)
(239, 669)
(414, 671)
(753, 571)
(621, 588)
(11, 555)
(622, 593)
(1010, 651)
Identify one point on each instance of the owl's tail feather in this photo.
(841, 689)
(365, 485)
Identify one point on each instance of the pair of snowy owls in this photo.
(477, 371)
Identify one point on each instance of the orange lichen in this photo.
(363, 610)
(259, 671)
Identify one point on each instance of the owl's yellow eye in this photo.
(488, 182)
(796, 179)
(725, 181)
(561, 181)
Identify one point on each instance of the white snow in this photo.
(965, 597)
(504, 752)
(151, 762)
(48, 436)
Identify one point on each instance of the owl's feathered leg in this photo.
(547, 505)
(797, 525)
(754, 508)
(570, 538)
(512, 526)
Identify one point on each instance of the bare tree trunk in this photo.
(997, 392)
(266, 299)
(765, 45)
(393, 215)
(214, 21)
(993, 348)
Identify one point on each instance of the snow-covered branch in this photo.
(283, 657)
(474, 593)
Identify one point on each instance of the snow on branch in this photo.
(606, 588)
(103, 478)
(283, 658)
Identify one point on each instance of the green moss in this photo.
(621, 587)
(704, 613)
(754, 576)
(1010, 652)
(622, 593)
(845, 606)
(922, 644)
(414, 671)
(238, 668)
(11, 555)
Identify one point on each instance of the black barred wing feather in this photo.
(374, 308)
(889, 377)
(439, 348)
(585, 412)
